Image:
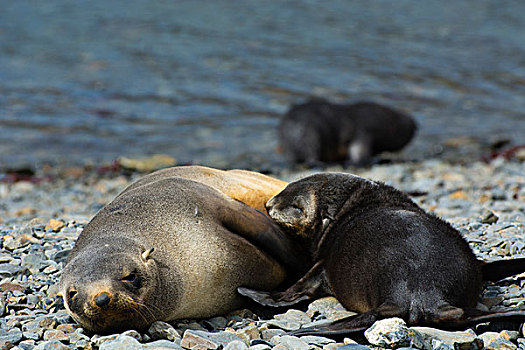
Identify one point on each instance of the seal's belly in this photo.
(211, 272)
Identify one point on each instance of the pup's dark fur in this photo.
(320, 131)
(378, 253)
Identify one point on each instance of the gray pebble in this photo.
(284, 324)
(34, 261)
(133, 334)
(55, 334)
(98, 340)
(121, 342)
(161, 345)
(236, 345)
(466, 339)
(391, 333)
(268, 334)
(51, 345)
(293, 316)
(11, 270)
(216, 322)
(61, 317)
(292, 343)
(2, 305)
(353, 347)
(329, 308)
(260, 347)
(163, 330)
(196, 338)
(315, 340)
(13, 336)
(32, 335)
(39, 324)
(489, 217)
(27, 344)
(61, 256)
(500, 344)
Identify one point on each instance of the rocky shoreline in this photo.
(42, 216)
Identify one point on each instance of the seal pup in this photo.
(380, 255)
(169, 249)
(320, 131)
(249, 187)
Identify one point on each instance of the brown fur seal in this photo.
(249, 187)
(168, 249)
(381, 255)
(320, 131)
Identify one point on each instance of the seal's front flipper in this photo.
(447, 313)
(352, 325)
(311, 286)
(259, 230)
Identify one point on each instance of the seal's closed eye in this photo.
(71, 293)
(132, 279)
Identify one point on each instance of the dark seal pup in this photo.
(380, 254)
(169, 249)
(320, 131)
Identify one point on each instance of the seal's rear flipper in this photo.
(352, 325)
(311, 286)
(473, 317)
(497, 270)
(357, 324)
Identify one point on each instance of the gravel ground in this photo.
(41, 218)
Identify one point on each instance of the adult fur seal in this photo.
(170, 248)
(381, 255)
(249, 187)
(320, 131)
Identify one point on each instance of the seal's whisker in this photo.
(143, 307)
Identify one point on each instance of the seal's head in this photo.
(294, 208)
(307, 206)
(108, 289)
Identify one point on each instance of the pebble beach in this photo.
(42, 215)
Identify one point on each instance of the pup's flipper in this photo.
(309, 287)
(499, 269)
(473, 317)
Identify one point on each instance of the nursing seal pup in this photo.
(322, 132)
(170, 247)
(380, 255)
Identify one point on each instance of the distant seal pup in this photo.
(168, 249)
(379, 254)
(320, 131)
(249, 187)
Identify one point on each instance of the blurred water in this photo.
(206, 81)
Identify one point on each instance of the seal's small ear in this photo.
(146, 254)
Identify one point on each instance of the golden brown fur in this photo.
(249, 187)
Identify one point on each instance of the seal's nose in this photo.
(102, 299)
(269, 204)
